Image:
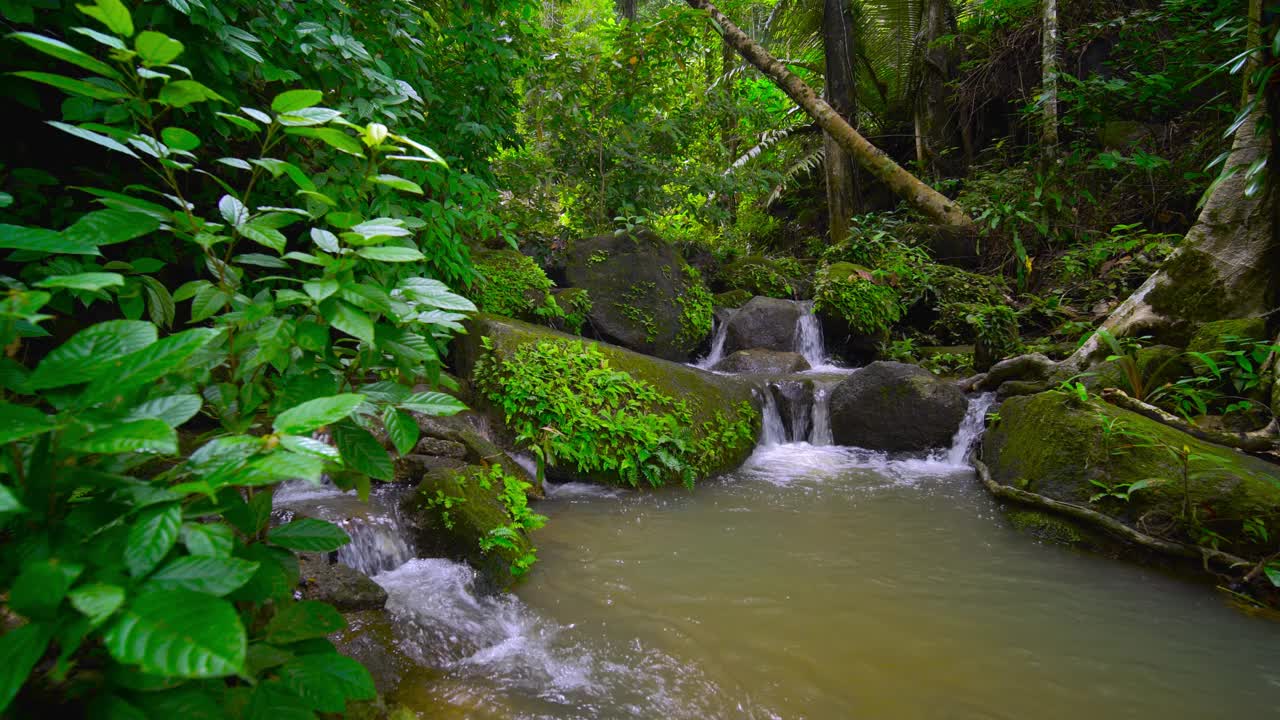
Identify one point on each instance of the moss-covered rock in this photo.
(644, 295)
(851, 293)
(767, 277)
(718, 415)
(1156, 365)
(513, 285)
(731, 300)
(455, 513)
(343, 587)
(576, 305)
(1046, 527)
(1217, 335)
(1057, 447)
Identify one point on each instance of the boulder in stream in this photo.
(343, 587)
(896, 407)
(1054, 446)
(761, 362)
(764, 324)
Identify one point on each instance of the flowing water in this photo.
(823, 582)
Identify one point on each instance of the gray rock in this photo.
(764, 323)
(763, 362)
(343, 587)
(410, 468)
(441, 448)
(1035, 367)
(896, 407)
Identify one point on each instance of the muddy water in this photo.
(822, 582)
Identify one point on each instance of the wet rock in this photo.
(763, 362)
(409, 468)
(764, 324)
(1032, 367)
(896, 407)
(1014, 388)
(345, 588)
(440, 447)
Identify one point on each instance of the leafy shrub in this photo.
(143, 575)
(995, 331)
(567, 405)
(850, 292)
(513, 285)
(769, 277)
(514, 496)
(696, 308)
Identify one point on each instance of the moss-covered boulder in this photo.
(576, 305)
(1224, 335)
(855, 311)
(1054, 446)
(1155, 366)
(763, 362)
(731, 299)
(764, 324)
(896, 407)
(343, 587)
(644, 295)
(767, 277)
(607, 414)
(512, 284)
(465, 514)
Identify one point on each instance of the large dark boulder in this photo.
(763, 362)
(896, 407)
(765, 324)
(644, 296)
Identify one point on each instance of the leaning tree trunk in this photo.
(1049, 83)
(837, 35)
(1226, 266)
(902, 183)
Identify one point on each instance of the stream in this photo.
(815, 582)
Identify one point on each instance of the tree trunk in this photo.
(837, 36)
(1049, 84)
(902, 183)
(627, 9)
(935, 106)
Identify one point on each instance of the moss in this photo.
(1054, 446)
(1157, 365)
(1217, 335)
(636, 306)
(731, 299)
(1193, 290)
(759, 275)
(512, 284)
(848, 291)
(1045, 527)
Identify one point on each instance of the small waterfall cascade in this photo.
(809, 337)
(971, 429)
(380, 538)
(796, 411)
(717, 341)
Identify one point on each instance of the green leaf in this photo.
(151, 537)
(173, 410)
(336, 139)
(93, 137)
(401, 429)
(156, 48)
(111, 13)
(149, 435)
(346, 317)
(97, 601)
(277, 575)
(397, 182)
(309, 535)
(271, 700)
(433, 403)
(307, 117)
(181, 93)
(179, 139)
(16, 237)
(318, 290)
(179, 633)
(83, 281)
(293, 100)
(40, 587)
(381, 227)
(89, 351)
(326, 682)
(302, 621)
(280, 466)
(108, 227)
(1272, 570)
(21, 648)
(149, 363)
(18, 422)
(435, 294)
(9, 504)
(71, 85)
(208, 539)
(316, 413)
(388, 253)
(362, 452)
(65, 52)
(205, 574)
(208, 300)
(233, 211)
(261, 233)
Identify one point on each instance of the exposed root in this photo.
(1261, 441)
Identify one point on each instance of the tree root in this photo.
(1208, 556)
(1261, 441)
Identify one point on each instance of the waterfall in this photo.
(971, 429)
(377, 544)
(796, 411)
(773, 431)
(717, 343)
(379, 535)
(809, 336)
(821, 434)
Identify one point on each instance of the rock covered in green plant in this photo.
(851, 292)
(1140, 371)
(510, 283)
(479, 514)
(1219, 334)
(644, 295)
(731, 299)
(1150, 476)
(896, 407)
(576, 304)
(760, 275)
(600, 412)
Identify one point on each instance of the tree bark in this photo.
(627, 9)
(935, 106)
(879, 165)
(1049, 83)
(837, 35)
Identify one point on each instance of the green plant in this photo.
(696, 308)
(633, 307)
(513, 285)
(1119, 491)
(597, 257)
(850, 292)
(444, 504)
(948, 363)
(515, 499)
(900, 350)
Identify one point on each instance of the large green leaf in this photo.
(91, 281)
(389, 253)
(19, 421)
(436, 294)
(433, 403)
(20, 649)
(259, 232)
(181, 93)
(111, 13)
(294, 100)
(348, 318)
(111, 226)
(271, 700)
(326, 682)
(63, 51)
(332, 137)
(173, 410)
(205, 574)
(151, 537)
(276, 578)
(317, 413)
(17, 237)
(307, 117)
(279, 466)
(89, 351)
(302, 621)
(93, 137)
(397, 182)
(72, 86)
(149, 363)
(9, 503)
(309, 535)
(401, 428)
(40, 587)
(362, 452)
(179, 633)
(156, 48)
(148, 435)
(208, 539)
(97, 602)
